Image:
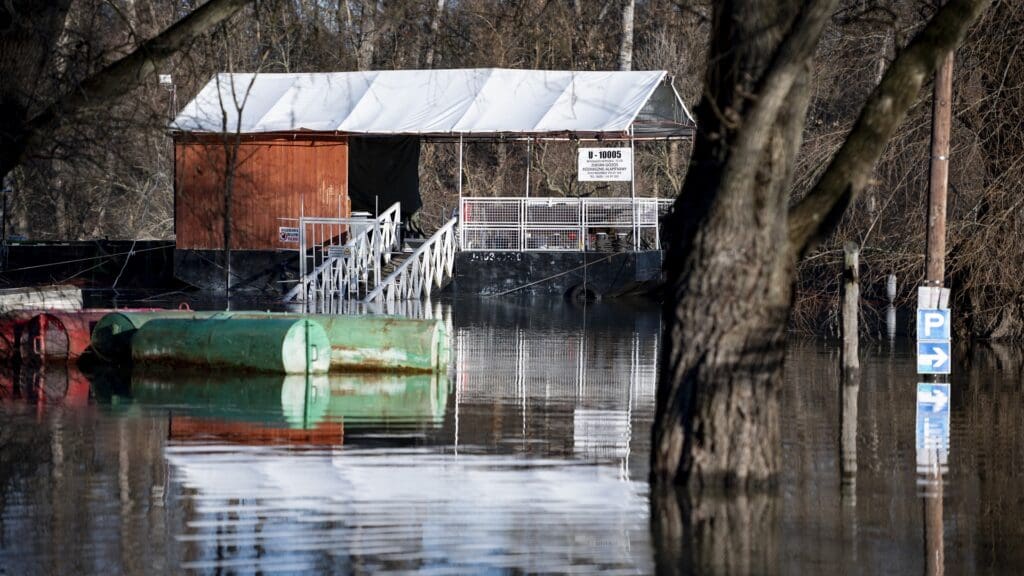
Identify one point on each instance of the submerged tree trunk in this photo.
(730, 269)
(736, 241)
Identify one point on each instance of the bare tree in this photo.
(431, 40)
(626, 39)
(26, 120)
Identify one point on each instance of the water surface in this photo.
(530, 455)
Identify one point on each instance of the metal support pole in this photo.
(462, 229)
(632, 189)
(529, 163)
(939, 178)
(302, 251)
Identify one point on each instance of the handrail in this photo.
(427, 266)
(553, 223)
(361, 253)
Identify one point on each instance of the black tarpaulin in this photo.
(385, 167)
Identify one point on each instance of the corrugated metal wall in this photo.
(273, 176)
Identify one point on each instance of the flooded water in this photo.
(529, 456)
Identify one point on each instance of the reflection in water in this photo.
(399, 509)
(932, 455)
(42, 384)
(596, 370)
(530, 457)
(849, 389)
(297, 402)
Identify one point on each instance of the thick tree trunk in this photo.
(730, 269)
(731, 263)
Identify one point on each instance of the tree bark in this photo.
(626, 40)
(435, 25)
(368, 33)
(717, 410)
(731, 262)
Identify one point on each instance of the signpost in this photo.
(933, 331)
(605, 165)
(288, 235)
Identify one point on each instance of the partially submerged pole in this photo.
(849, 386)
(850, 304)
(890, 312)
(939, 178)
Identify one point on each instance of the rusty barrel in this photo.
(275, 344)
(12, 326)
(49, 336)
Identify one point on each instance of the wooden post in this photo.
(848, 392)
(849, 387)
(850, 304)
(890, 312)
(939, 179)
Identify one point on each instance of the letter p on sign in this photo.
(933, 324)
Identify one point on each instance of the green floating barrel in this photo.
(281, 345)
(378, 343)
(112, 335)
(358, 343)
(385, 343)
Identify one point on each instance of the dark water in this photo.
(530, 456)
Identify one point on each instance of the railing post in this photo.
(582, 209)
(522, 224)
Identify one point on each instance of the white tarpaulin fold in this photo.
(478, 101)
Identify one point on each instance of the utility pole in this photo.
(935, 268)
(935, 260)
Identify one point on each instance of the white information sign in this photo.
(605, 165)
(288, 235)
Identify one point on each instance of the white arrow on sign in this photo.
(937, 359)
(937, 398)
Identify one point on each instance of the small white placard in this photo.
(605, 165)
(288, 235)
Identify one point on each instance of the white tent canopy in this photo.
(477, 102)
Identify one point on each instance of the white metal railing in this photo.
(331, 272)
(560, 224)
(423, 269)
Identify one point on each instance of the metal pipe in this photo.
(632, 188)
(462, 241)
(529, 164)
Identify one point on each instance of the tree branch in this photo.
(117, 77)
(817, 213)
(787, 64)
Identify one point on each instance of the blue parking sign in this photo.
(933, 324)
(933, 358)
